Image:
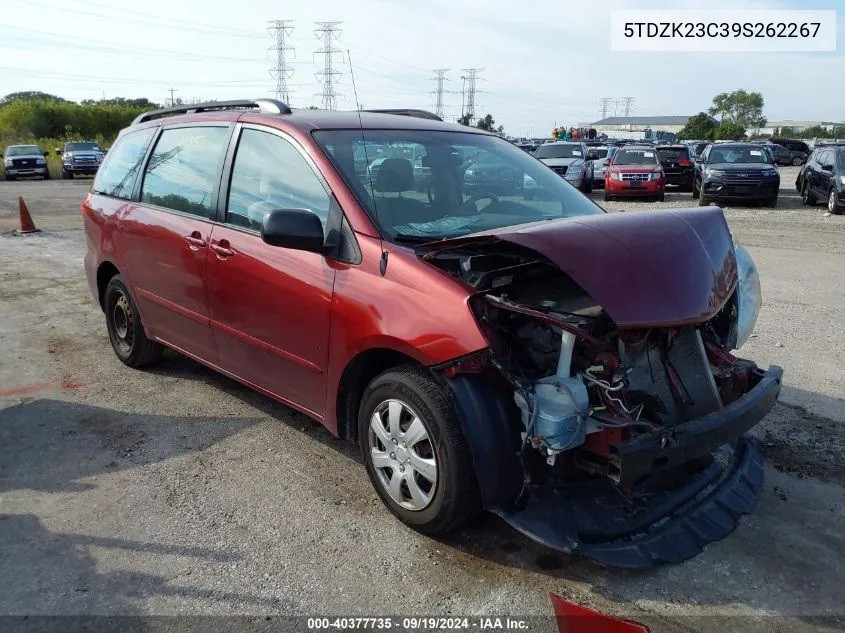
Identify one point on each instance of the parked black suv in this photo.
(780, 154)
(799, 150)
(822, 178)
(677, 165)
(735, 171)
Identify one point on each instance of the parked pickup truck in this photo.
(81, 157)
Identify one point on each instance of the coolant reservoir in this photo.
(562, 405)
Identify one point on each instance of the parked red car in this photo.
(634, 172)
(568, 369)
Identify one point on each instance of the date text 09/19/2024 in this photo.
(417, 623)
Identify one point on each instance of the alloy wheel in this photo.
(402, 454)
(831, 201)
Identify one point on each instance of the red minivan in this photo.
(634, 172)
(568, 369)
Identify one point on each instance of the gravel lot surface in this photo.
(177, 491)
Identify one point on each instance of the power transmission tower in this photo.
(172, 92)
(471, 78)
(439, 78)
(605, 103)
(280, 30)
(628, 102)
(328, 32)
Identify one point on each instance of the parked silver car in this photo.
(569, 159)
(25, 161)
(597, 156)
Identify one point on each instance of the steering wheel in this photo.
(480, 196)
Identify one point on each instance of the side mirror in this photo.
(827, 167)
(46, 154)
(299, 229)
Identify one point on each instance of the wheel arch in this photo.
(357, 374)
(105, 271)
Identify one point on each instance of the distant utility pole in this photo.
(328, 32)
(463, 94)
(439, 78)
(172, 92)
(628, 102)
(605, 102)
(280, 30)
(471, 79)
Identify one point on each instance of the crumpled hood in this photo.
(646, 268)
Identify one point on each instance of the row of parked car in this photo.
(714, 172)
(30, 161)
(822, 178)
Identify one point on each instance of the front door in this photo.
(166, 235)
(271, 306)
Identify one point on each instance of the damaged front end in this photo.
(603, 424)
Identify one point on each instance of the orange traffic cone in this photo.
(27, 225)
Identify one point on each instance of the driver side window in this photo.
(270, 173)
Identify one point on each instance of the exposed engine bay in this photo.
(582, 386)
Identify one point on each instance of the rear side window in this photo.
(673, 153)
(270, 173)
(118, 173)
(184, 169)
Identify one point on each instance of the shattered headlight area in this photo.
(749, 295)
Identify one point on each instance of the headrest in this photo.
(394, 175)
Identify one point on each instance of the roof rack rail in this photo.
(421, 114)
(269, 106)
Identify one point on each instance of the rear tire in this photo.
(694, 189)
(47, 175)
(411, 396)
(797, 161)
(126, 332)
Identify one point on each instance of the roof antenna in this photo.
(383, 262)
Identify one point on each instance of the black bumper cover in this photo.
(591, 518)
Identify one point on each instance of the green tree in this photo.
(31, 95)
(701, 126)
(785, 132)
(739, 107)
(816, 131)
(729, 130)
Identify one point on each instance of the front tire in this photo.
(832, 207)
(808, 199)
(67, 175)
(702, 200)
(587, 186)
(415, 453)
(772, 202)
(126, 332)
(661, 197)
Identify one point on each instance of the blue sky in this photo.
(544, 62)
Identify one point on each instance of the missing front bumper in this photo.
(634, 460)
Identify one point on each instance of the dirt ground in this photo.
(175, 491)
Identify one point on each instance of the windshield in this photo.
(23, 150)
(737, 154)
(473, 182)
(597, 153)
(673, 153)
(635, 157)
(559, 150)
(82, 147)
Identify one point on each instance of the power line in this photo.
(439, 78)
(328, 32)
(471, 77)
(280, 30)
